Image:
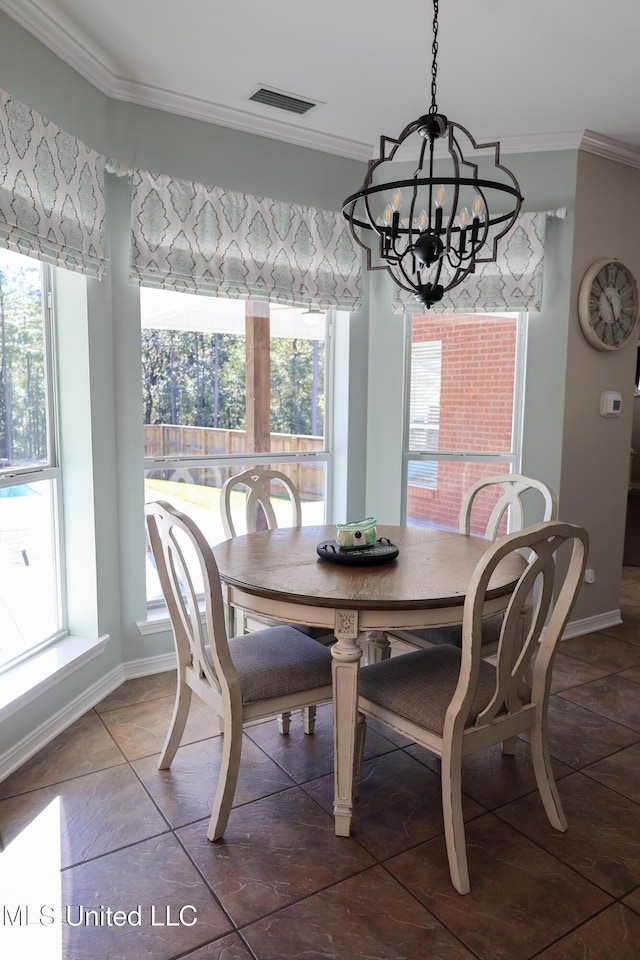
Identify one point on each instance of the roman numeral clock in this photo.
(608, 304)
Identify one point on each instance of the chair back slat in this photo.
(454, 702)
(179, 549)
(259, 513)
(510, 502)
(532, 605)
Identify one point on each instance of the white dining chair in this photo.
(453, 702)
(260, 487)
(487, 505)
(242, 679)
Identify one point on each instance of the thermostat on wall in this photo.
(610, 404)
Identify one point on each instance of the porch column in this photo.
(258, 377)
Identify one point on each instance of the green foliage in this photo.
(198, 379)
(192, 378)
(294, 408)
(23, 414)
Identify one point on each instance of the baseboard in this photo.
(46, 732)
(149, 665)
(578, 628)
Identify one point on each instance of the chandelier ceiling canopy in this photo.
(433, 203)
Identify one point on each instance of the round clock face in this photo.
(608, 304)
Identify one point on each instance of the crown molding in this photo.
(58, 34)
(246, 121)
(611, 149)
(61, 36)
(541, 142)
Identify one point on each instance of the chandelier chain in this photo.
(433, 252)
(434, 65)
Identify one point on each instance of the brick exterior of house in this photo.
(476, 410)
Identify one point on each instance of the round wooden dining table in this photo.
(278, 574)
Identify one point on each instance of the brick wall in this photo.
(476, 409)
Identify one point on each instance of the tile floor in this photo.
(91, 824)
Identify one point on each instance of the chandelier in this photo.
(430, 227)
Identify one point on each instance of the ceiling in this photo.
(534, 74)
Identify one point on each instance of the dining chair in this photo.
(259, 486)
(257, 513)
(242, 679)
(454, 702)
(501, 498)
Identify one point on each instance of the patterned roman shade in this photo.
(196, 238)
(51, 192)
(512, 284)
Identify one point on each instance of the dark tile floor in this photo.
(91, 824)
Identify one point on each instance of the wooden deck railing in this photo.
(170, 440)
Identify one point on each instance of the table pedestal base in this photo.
(346, 654)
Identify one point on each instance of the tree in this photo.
(196, 378)
(297, 386)
(23, 410)
(193, 378)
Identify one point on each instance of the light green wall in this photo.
(596, 450)
(564, 442)
(165, 143)
(31, 73)
(548, 182)
(127, 468)
(349, 434)
(385, 403)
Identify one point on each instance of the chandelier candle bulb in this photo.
(464, 219)
(387, 234)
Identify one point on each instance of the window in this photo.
(30, 596)
(226, 385)
(462, 410)
(424, 410)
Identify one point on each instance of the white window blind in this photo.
(513, 283)
(52, 203)
(424, 408)
(195, 238)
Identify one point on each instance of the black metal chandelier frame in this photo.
(414, 249)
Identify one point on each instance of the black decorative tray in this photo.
(382, 551)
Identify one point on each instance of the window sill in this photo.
(157, 622)
(29, 679)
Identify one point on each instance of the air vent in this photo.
(283, 101)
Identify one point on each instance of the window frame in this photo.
(52, 471)
(513, 459)
(245, 460)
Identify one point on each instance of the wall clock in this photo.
(608, 304)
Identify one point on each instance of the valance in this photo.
(52, 203)
(512, 284)
(196, 238)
